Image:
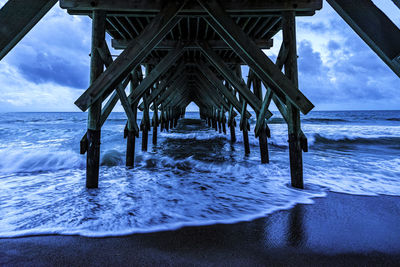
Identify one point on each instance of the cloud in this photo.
(49, 68)
(337, 70)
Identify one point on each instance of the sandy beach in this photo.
(337, 230)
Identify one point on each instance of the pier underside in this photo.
(193, 51)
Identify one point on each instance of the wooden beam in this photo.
(175, 88)
(374, 27)
(261, 116)
(217, 98)
(397, 3)
(293, 113)
(155, 73)
(215, 82)
(228, 74)
(174, 73)
(94, 113)
(17, 18)
(171, 44)
(247, 6)
(131, 56)
(262, 66)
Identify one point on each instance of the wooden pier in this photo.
(193, 51)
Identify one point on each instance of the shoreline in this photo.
(335, 230)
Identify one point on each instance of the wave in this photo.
(381, 140)
(393, 119)
(201, 135)
(324, 120)
(26, 161)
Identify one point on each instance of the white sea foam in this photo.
(192, 177)
(38, 160)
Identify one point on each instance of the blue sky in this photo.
(49, 69)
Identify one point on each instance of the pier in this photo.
(174, 53)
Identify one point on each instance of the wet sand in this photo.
(334, 231)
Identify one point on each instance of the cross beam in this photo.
(17, 18)
(374, 27)
(132, 56)
(171, 44)
(248, 6)
(255, 58)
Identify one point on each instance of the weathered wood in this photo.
(155, 125)
(248, 6)
(232, 124)
(262, 130)
(239, 84)
(132, 131)
(294, 129)
(171, 44)
(17, 18)
(261, 116)
(255, 58)
(207, 74)
(145, 124)
(155, 73)
(374, 27)
(172, 77)
(94, 114)
(131, 56)
(174, 88)
(217, 99)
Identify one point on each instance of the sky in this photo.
(49, 69)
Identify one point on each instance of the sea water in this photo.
(194, 176)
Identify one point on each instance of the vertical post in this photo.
(219, 119)
(131, 138)
(145, 138)
(231, 118)
(155, 124)
(233, 133)
(263, 137)
(145, 124)
(294, 130)
(171, 118)
(246, 137)
(215, 124)
(244, 122)
(94, 113)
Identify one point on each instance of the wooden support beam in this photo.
(175, 87)
(232, 124)
(155, 125)
(132, 56)
(374, 27)
(94, 114)
(173, 75)
(255, 58)
(217, 98)
(261, 130)
(131, 134)
(261, 117)
(248, 6)
(207, 74)
(239, 84)
(145, 124)
(171, 44)
(17, 18)
(244, 128)
(293, 115)
(155, 73)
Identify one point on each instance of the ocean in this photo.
(194, 176)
